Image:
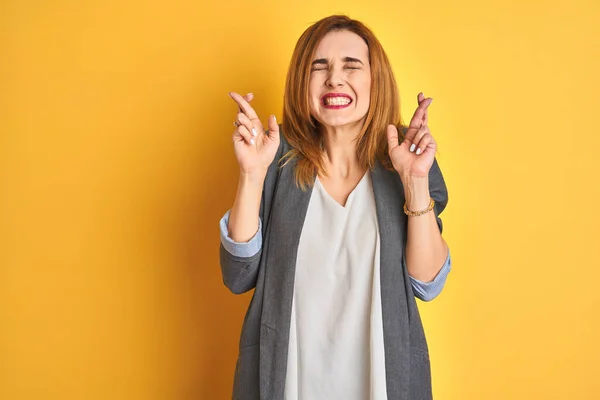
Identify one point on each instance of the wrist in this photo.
(416, 193)
(252, 178)
(250, 187)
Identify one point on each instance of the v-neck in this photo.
(350, 196)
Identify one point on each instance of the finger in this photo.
(425, 141)
(273, 128)
(248, 97)
(392, 137)
(243, 105)
(417, 138)
(244, 133)
(243, 120)
(410, 134)
(419, 115)
(420, 99)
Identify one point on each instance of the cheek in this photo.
(364, 91)
(313, 94)
(367, 85)
(312, 99)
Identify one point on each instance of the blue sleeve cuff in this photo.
(247, 249)
(427, 291)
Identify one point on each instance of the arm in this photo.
(240, 270)
(414, 160)
(426, 250)
(241, 239)
(243, 220)
(256, 152)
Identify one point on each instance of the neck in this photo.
(340, 150)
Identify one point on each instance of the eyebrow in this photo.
(345, 59)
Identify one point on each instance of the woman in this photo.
(336, 226)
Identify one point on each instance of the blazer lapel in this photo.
(389, 199)
(288, 214)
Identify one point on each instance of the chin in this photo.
(337, 122)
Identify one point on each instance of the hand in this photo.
(414, 156)
(254, 149)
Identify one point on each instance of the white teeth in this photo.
(336, 101)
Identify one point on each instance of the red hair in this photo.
(301, 129)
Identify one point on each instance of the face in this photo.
(340, 80)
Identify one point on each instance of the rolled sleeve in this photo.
(240, 249)
(427, 291)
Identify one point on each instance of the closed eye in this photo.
(324, 68)
(322, 64)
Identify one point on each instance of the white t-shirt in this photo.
(336, 335)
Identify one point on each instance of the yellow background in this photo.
(116, 164)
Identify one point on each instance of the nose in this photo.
(335, 78)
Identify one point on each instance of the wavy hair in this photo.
(301, 128)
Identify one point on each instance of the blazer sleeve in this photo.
(428, 291)
(438, 191)
(240, 273)
(240, 249)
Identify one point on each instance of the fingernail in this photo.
(230, 95)
(252, 142)
(254, 132)
(274, 118)
(250, 94)
(418, 151)
(412, 147)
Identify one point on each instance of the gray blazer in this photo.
(261, 366)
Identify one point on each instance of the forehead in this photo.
(339, 44)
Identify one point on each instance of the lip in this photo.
(327, 95)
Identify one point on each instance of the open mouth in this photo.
(336, 100)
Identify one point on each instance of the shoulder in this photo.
(284, 145)
(282, 150)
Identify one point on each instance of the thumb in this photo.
(392, 137)
(273, 128)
